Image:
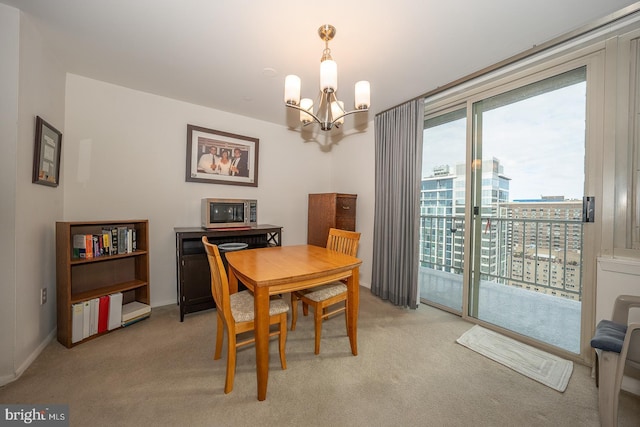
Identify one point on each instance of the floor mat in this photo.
(536, 364)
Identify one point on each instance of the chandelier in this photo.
(330, 111)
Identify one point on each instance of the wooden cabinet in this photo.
(194, 277)
(83, 279)
(330, 210)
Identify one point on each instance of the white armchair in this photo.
(617, 346)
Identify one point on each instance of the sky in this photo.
(540, 142)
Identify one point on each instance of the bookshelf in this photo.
(82, 279)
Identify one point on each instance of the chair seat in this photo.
(241, 304)
(324, 292)
(617, 353)
(609, 336)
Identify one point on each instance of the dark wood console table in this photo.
(194, 278)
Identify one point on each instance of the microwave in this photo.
(229, 213)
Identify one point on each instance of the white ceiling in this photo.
(233, 55)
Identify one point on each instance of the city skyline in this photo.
(521, 135)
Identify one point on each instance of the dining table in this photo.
(280, 269)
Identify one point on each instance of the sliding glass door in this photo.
(528, 187)
(442, 208)
(501, 207)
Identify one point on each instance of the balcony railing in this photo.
(542, 255)
(530, 274)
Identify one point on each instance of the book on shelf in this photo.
(129, 240)
(79, 246)
(89, 245)
(134, 309)
(114, 240)
(136, 319)
(110, 238)
(86, 319)
(93, 316)
(103, 314)
(122, 240)
(106, 250)
(77, 322)
(110, 241)
(95, 245)
(115, 310)
(84, 246)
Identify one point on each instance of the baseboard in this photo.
(29, 360)
(163, 303)
(7, 379)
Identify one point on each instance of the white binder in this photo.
(115, 310)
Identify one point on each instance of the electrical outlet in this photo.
(43, 296)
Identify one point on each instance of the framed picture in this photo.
(219, 157)
(46, 154)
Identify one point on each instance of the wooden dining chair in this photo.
(235, 315)
(325, 296)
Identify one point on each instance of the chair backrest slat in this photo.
(219, 281)
(343, 241)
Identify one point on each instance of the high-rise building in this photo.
(545, 245)
(531, 244)
(442, 208)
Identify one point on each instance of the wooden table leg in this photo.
(353, 298)
(233, 281)
(261, 311)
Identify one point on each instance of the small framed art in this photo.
(46, 154)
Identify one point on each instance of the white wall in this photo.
(616, 277)
(9, 34)
(125, 154)
(31, 83)
(42, 87)
(353, 171)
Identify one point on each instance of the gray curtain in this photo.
(398, 163)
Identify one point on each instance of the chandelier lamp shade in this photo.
(330, 111)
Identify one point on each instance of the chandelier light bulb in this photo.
(362, 95)
(337, 110)
(292, 85)
(329, 76)
(307, 105)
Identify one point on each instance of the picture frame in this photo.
(207, 161)
(46, 154)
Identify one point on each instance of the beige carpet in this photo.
(546, 368)
(409, 372)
